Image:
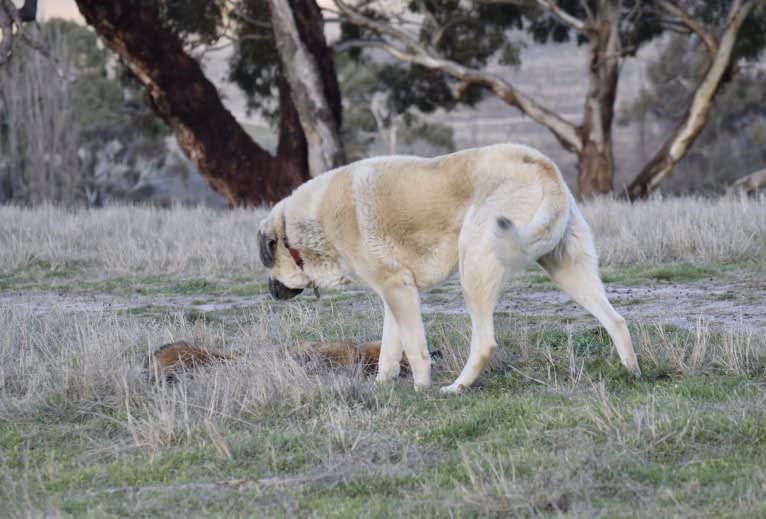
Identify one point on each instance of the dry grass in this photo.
(555, 427)
(61, 365)
(131, 240)
(203, 242)
(690, 230)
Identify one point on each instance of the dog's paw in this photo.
(453, 389)
(632, 367)
(387, 371)
(385, 377)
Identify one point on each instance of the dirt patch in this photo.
(722, 304)
(725, 304)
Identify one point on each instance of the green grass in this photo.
(428, 456)
(671, 273)
(554, 427)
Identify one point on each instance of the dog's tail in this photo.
(510, 246)
(517, 247)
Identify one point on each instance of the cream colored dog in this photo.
(401, 224)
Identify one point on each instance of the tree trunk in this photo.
(11, 25)
(319, 119)
(693, 121)
(595, 169)
(595, 162)
(178, 91)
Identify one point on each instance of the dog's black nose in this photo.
(280, 291)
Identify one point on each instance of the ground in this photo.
(554, 427)
(720, 299)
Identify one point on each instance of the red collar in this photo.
(293, 252)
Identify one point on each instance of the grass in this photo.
(554, 427)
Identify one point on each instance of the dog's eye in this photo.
(266, 250)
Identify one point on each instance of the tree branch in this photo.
(687, 130)
(303, 75)
(412, 51)
(240, 13)
(572, 21)
(439, 35)
(10, 16)
(672, 8)
(551, 7)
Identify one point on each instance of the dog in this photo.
(400, 224)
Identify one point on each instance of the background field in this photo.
(555, 426)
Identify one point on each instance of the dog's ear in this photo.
(266, 246)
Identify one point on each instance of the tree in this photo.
(371, 118)
(12, 24)
(39, 127)
(720, 51)
(612, 29)
(733, 141)
(302, 72)
(177, 90)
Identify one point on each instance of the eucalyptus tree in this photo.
(454, 39)
(156, 41)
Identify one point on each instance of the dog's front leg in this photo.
(390, 348)
(403, 300)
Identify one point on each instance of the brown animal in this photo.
(343, 354)
(170, 360)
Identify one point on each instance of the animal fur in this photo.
(401, 224)
(170, 360)
(345, 354)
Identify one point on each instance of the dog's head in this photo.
(287, 278)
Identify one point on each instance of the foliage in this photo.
(477, 34)
(254, 65)
(472, 35)
(106, 94)
(56, 110)
(196, 22)
(370, 114)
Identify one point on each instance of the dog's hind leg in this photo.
(402, 302)
(390, 347)
(574, 268)
(483, 272)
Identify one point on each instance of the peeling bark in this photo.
(178, 91)
(595, 162)
(319, 119)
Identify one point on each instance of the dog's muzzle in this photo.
(280, 291)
